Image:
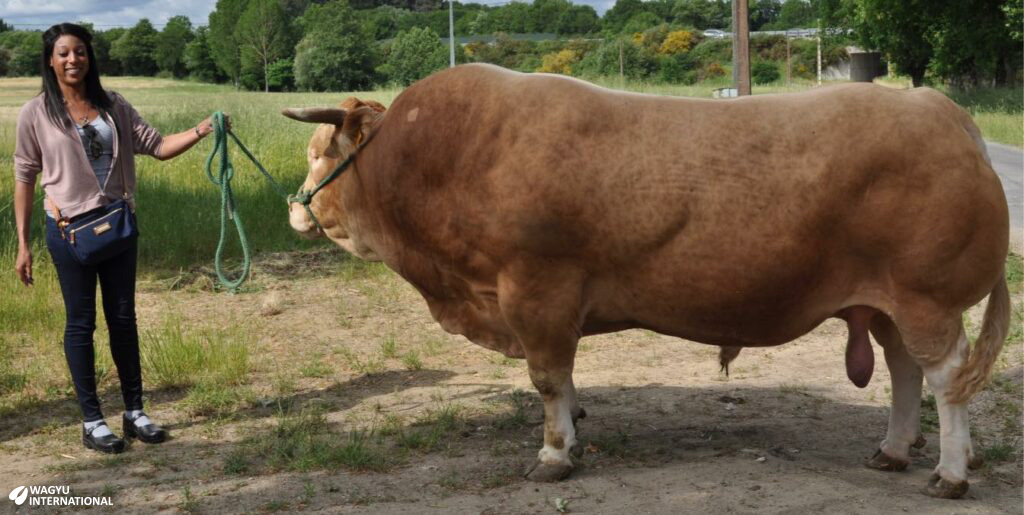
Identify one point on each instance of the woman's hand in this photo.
(175, 144)
(23, 266)
(206, 126)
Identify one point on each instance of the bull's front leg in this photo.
(541, 304)
(553, 379)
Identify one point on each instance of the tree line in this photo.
(319, 45)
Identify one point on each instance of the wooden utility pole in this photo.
(741, 47)
(622, 74)
(451, 32)
(819, 51)
(789, 62)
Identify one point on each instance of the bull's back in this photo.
(689, 215)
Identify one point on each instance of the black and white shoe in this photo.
(148, 433)
(109, 443)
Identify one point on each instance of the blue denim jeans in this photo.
(78, 287)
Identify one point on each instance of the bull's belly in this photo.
(736, 329)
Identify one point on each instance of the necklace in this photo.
(85, 117)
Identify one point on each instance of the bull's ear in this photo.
(331, 115)
(358, 122)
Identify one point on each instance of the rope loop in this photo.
(228, 211)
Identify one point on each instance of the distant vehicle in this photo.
(715, 33)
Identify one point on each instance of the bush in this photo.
(510, 53)
(677, 41)
(559, 62)
(281, 75)
(712, 50)
(637, 63)
(769, 48)
(677, 69)
(764, 72)
(712, 70)
(414, 55)
(333, 64)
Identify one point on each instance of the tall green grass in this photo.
(173, 356)
(999, 112)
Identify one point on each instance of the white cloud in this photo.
(36, 14)
(40, 14)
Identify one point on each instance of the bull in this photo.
(530, 210)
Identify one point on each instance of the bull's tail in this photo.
(725, 356)
(974, 374)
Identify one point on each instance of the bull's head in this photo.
(341, 131)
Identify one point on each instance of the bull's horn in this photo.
(316, 114)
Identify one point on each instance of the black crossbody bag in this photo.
(101, 233)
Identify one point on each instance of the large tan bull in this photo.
(532, 210)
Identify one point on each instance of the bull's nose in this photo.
(301, 223)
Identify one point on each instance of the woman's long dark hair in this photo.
(53, 98)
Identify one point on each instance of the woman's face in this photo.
(70, 60)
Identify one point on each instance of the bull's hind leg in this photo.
(904, 418)
(943, 354)
(545, 316)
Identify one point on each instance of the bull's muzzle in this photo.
(301, 223)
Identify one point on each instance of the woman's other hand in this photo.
(206, 126)
(23, 266)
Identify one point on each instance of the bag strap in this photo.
(124, 179)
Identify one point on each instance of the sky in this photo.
(103, 14)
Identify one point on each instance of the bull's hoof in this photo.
(884, 462)
(919, 443)
(976, 462)
(579, 415)
(945, 489)
(544, 473)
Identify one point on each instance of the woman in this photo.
(81, 141)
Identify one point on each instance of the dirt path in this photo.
(666, 431)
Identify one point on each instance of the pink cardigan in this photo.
(67, 176)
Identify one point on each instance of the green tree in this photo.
(796, 14)
(102, 41)
(334, 54)
(223, 46)
(171, 44)
(702, 14)
(4, 27)
(262, 33)
(381, 22)
(135, 48)
(198, 59)
(545, 14)
(763, 12)
(973, 43)
(900, 29)
(578, 20)
(414, 55)
(513, 18)
(616, 18)
(281, 76)
(641, 22)
(5, 60)
(24, 48)
(1014, 10)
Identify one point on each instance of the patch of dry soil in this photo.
(666, 431)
